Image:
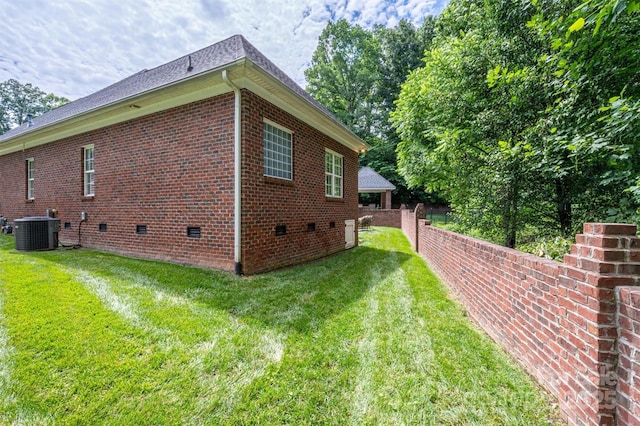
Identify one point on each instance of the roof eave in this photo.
(243, 72)
(199, 86)
(375, 190)
(275, 91)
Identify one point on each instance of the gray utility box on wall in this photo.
(36, 233)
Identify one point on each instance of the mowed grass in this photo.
(367, 337)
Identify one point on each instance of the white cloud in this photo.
(75, 47)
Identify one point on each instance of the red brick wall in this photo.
(409, 221)
(409, 225)
(268, 202)
(628, 346)
(387, 217)
(175, 169)
(168, 170)
(557, 319)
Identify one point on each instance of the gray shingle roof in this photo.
(371, 181)
(202, 61)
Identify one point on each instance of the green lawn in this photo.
(365, 337)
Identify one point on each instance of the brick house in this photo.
(216, 159)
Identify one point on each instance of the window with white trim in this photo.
(88, 170)
(277, 151)
(333, 174)
(31, 171)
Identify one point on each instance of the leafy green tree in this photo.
(19, 100)
(464, 116)
(357, 74)
(344, 73)
(590, 131)
(526, 114)
(402, 48)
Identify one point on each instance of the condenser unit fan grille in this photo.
(36, 233)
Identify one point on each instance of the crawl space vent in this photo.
(193, 231)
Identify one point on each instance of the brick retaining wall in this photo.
(562, 321)
(386, 217)
(628, 347)
(409, 223)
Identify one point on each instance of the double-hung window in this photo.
(31, 170)
(333, 174)
(88, 170)
(278, 159)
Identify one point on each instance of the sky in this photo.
(73, 48)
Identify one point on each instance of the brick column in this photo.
(604, 257)
(385, 200)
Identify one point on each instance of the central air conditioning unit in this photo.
(36, 233)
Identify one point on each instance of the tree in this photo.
(401, 51)
(464, 128)
(357, 75)
(344, 73)
(591, 129)
(527, 114)
(18, 100)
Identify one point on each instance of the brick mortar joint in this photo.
(614, 249)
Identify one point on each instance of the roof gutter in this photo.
(237, 213)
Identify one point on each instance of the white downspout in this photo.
(237, 213)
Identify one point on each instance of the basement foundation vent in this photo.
(193, 231)
(281, 230)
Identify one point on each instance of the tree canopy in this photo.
(525, 114)
(357, 74)
(18, 100)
